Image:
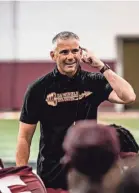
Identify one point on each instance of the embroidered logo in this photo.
(54, 98)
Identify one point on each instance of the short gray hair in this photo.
(64, 35)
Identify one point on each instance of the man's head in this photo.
(90, 151)
(66, 52)
(129, 147)
(128, 143)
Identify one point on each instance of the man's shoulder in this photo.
(91, 75)
(41, 82)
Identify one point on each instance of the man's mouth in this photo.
(69, 64)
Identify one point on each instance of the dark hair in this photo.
(88, 160)
(127, 140)
(1, 164)
(87, 145)
(65, 35)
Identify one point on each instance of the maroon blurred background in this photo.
(15, 76)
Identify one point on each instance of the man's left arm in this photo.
(122, 92)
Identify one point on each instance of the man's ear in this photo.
(52, 54)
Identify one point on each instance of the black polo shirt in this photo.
(56, 101)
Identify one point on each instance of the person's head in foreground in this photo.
(129, 147)
(91, 149)
(66, 52)
(129, 182)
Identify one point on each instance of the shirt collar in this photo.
(58, 75)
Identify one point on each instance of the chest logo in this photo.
(54, 98)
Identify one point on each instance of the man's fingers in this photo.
(83, 60)
(87, 56)
(87, 60)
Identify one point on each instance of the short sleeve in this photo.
(103, 87)
(30, 108)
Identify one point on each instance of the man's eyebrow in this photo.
(64, 50)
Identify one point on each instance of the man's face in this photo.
(67, 55)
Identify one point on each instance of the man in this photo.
(91, 150)
(59, 99)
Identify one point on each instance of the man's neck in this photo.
(70, 74)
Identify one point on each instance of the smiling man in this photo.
(62, 97)
(67, 55)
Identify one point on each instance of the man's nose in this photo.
(70, 56)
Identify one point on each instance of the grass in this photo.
(9, 132)
(8, 140)
(129, 123)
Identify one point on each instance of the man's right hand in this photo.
(89, 58)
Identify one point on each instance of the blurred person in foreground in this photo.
(91, 150)
(89, 146)
(129, 148)
(130, 181)
(91, 156)
(60, 98)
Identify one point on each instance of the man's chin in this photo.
(70, 70)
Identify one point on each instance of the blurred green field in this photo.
(9, 132)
